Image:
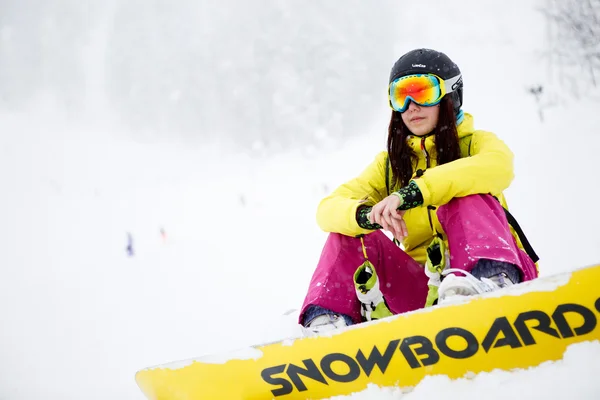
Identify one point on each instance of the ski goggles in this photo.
(423, 89)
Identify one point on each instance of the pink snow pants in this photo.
(476, 228)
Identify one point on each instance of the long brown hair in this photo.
(402, 156)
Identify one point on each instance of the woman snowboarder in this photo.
(438, 191)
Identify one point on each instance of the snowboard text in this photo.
(421, 351)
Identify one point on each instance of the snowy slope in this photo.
(225, 243)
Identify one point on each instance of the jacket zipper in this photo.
(425, 153)
(427, 165)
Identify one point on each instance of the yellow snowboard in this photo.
(518, 327)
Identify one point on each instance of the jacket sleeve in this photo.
(337, 212)
(488, 169)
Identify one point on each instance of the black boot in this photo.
(501, 273)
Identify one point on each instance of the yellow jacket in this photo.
(486, 166)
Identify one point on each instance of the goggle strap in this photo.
(449, 83)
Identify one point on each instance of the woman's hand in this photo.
(386, 214)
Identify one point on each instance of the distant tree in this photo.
(40, 45)
(574, 36)
(261, 75)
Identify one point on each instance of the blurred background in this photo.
(161, 161)
(270, 75)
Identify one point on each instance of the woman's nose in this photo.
(413, 106)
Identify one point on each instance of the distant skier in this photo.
(438, 190)
(129, 248)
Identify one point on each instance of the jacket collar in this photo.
(465, 128)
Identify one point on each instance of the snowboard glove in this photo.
(437, 260)
(366, 283)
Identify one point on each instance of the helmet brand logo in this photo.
(419, 66)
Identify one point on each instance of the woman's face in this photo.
(421, 120)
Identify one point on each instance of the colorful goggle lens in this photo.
(423, 89)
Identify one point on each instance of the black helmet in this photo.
(427, 61)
